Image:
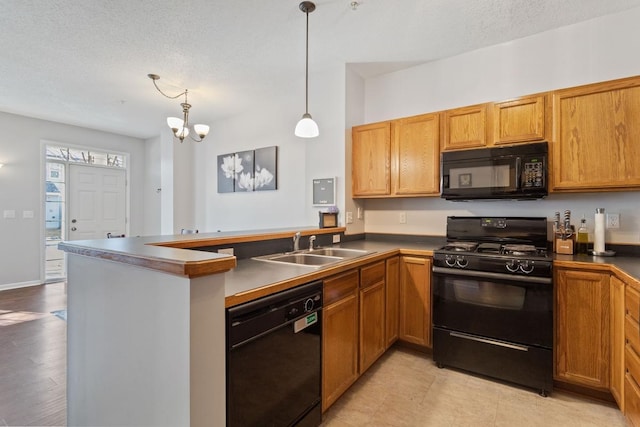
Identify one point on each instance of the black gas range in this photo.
(492, 296)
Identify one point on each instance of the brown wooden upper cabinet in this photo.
(416, 156)
(371, 160)
(519, 120)
(465, 127)
(398, 158)
(596, 135)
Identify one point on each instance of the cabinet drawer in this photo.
(632, 303)
(632, 333)
(632, 399)
(338, 287)
(372, 274)
(632, 363)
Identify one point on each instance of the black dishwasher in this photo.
(274, 359)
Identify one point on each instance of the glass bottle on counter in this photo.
(583, 237)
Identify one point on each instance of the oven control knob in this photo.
(449, 260)
(461, 261)
(526, 267)
(308, 305)
(512, 265)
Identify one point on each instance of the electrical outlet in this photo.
(349, 217)
(336, 238)
(403, 217)
(360, 213)
(613, 220)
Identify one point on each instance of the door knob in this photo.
(73, 229)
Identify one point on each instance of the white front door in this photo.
(97, 202)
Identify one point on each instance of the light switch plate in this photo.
(9, 214)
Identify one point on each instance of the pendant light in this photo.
(306, 127)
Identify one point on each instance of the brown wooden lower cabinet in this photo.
(617, 340)
(582, 328)
(372, 314)
(631, 354)
(392, 283)
(339, 336)
(415, 300)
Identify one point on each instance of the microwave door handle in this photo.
(518, 173)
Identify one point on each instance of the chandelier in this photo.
(180, 127)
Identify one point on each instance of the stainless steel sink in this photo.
(304, 259)
(338, 252)
(313, 258)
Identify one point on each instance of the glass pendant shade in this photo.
(306, 127)
(174, 122)
(182, 133)
(201, 130)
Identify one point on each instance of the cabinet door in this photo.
(519, 120)
(416, 156)
(372, 314)
(371, 159)
(582, 330)
(465, 127)
(596, 132)
(617, 340)
(339, 336)
(372, 337)
(415, 300)
(392, 282)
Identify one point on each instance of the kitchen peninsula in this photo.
(146, 317)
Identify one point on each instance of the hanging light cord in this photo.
(306, 69)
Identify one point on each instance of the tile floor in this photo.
(405, 388)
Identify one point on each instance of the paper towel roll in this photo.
(598, 237)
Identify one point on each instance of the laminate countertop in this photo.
(252, 279)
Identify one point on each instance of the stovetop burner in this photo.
(490, 248)
(460, 246)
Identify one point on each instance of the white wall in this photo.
(271, 122)
(20, 188)
(597, 50)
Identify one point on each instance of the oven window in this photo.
(491, 176)
(489, 294)
(508, 310)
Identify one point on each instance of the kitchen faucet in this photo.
(296, 241)
(311, 240)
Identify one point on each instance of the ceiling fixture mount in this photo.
(306, 127)
(180, 127)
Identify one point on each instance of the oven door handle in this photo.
(489, 341)
(490, 275)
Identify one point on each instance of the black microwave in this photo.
(512, 172)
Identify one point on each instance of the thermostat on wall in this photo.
(324, 192)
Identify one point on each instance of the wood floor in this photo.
(33, 356)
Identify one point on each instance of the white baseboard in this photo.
(8, 286)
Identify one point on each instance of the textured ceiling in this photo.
(85, 62)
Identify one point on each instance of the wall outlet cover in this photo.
(336, 238)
